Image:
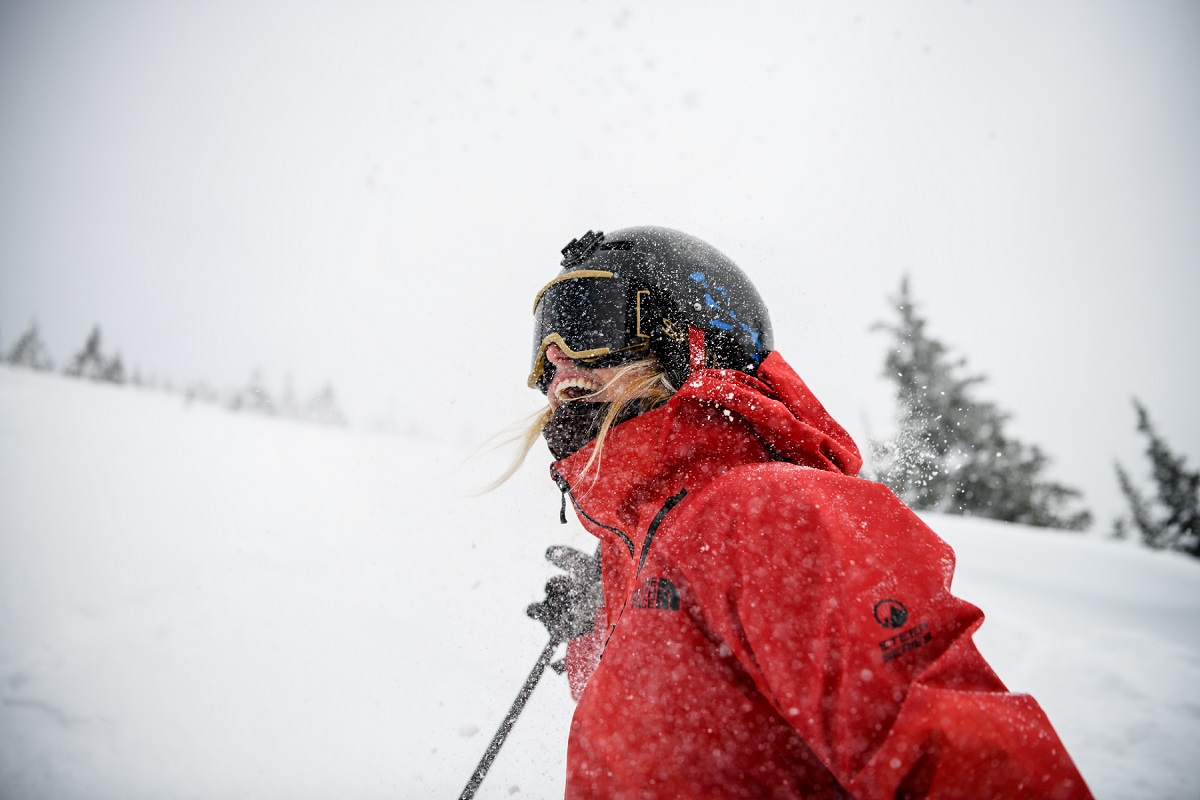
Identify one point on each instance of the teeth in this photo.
(576, 387)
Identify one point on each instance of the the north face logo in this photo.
(656, 593)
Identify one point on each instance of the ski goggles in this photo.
(594, 317)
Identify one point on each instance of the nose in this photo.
(557, 357)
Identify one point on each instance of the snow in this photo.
(199, 604)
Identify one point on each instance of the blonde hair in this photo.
(644, 382)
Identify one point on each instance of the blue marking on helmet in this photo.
(753, 333)
(754, 338)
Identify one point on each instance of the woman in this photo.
(771, 625)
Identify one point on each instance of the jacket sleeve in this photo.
(836, 600)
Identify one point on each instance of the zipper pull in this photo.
(563, 487)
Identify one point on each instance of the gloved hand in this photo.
(569, 609)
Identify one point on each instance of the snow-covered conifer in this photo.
(30, 351)
(1172, 519)
(114, 370)
(951, 452)
(89, 362)
(254, 397)
(322, 408)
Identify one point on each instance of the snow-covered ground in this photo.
(197, 604)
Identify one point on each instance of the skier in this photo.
(769, 624)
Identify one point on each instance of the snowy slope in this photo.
(200, 604)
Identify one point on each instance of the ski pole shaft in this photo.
(489, 755)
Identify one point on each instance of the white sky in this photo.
(372, 192)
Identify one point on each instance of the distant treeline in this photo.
(91, 362)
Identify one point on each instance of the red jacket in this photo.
(777, 627)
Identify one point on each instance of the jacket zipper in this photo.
(565, 488)
(670, 504)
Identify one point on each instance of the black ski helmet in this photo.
(643, 289)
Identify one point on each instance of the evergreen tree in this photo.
(322, 408)
(92, 364)
(289, 406)
(30, 352)
(951, 452)
(1172, 519)
(197, 392)
(114, 370)
(89, 362)
(254, 397)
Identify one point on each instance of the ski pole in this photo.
(489, 755)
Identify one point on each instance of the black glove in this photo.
(569, 609)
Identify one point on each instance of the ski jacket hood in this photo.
(775, 626)
(718, 419)
(781, 410)
(777, 406)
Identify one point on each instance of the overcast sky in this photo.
(370, 193)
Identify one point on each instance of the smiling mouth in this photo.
(576, 388)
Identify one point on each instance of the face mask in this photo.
(575, 424)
